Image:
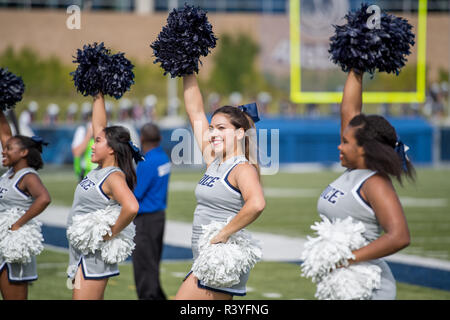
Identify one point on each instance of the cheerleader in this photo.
(20, 189)
(230, 187)
(372, 154)
(110, 185)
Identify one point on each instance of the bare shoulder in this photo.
(31, 176)
(243, 174)
(114, 180)
(117, 175)
(245, 168)
(29, 179)
(378, 185)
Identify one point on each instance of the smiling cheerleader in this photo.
(22, 198)
(345, 260)
(100, 229)
(229, 196)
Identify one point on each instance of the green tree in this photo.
(234, 64)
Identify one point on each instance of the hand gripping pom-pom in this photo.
(358, 45)
(100, 71)
(19, 246)
(183, 40)
(222, 264)
(87, 231)
(11, 89)
(332, 248)
(120, 247)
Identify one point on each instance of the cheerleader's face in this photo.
(100, 149)
(351, 154)
(223, 136)
(13, 152)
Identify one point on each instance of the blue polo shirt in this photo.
(152, 181)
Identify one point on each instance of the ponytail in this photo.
(383, 152)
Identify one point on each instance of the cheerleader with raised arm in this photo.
(363, 219)
(22, 198)
(229, 192)
(229, 195)
(100, 228)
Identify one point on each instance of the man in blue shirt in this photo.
(151, 192)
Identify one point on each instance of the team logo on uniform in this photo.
(208, 181)
(86, 183)
(332, 194)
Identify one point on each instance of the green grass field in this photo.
(291, 209)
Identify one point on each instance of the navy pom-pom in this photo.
(119, 76)
(100, 71)
(11, 89)
(357, 46)
(183, 40)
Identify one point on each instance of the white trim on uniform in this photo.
(16, 181)
(224, 178)
(100, 183)
(358, 197)
(88, 275)
(12, 278)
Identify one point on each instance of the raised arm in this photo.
(5, 129)
(99, 119)
(352, 99)
(193, 102)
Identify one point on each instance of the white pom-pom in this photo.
(20, 245)
(355, 282)
(333, 248)
(222, 264)
(87, 231)
(120, 247)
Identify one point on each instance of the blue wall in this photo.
(316, 139)
(300, 139)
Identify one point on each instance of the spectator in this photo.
(151, 192)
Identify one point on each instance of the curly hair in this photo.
(33, 157)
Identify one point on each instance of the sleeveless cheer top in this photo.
(10, 194)
(342, 198)
(216, 198)
(89, 196)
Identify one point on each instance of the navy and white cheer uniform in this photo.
(342, 198)
(12, 197)
(217, 200)
(89, 197)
